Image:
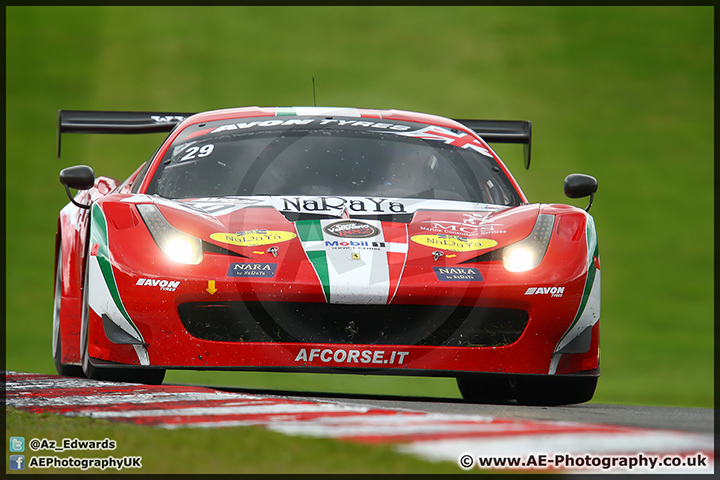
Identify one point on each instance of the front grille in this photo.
(353, 324)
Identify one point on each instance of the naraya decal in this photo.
(262, 270)
(253, 238)
(552, 291)
(338, 205)
(164, 285)
(453, 243)
(458, 274)
(351, 229)
(351, 356)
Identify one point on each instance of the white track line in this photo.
(433, 436)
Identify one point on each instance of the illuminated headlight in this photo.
(518, 259)
(529, 252)
(177, 245)
(181, 250)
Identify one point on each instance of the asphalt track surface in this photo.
(448, 429)
(699, 420)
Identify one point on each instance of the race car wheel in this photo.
(486, 389)
(150, 376)
(554, 389)
(62, 368)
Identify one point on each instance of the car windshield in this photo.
(330, 157)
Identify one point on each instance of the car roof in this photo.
(395, 115)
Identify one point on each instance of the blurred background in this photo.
(625, 94)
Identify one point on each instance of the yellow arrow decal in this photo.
(211, 287)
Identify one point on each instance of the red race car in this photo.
(334, 240)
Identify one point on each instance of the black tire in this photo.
(486, 388)
(150, 376)
(65, 369)
(550, 390)
(61, 368)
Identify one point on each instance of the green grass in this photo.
(231, 450)
(622, 93)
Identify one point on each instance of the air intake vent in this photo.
(353, 324)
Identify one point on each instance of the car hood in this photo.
(359, 246)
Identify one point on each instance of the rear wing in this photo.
(88, 121)
(503, 131)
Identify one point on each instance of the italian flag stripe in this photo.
(355, 269)
(309, 230)
(98, 235)
(589, 311)
(319, 261)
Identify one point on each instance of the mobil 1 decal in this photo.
(357, 262)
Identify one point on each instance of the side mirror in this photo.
(578, 185)
(79, 177)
